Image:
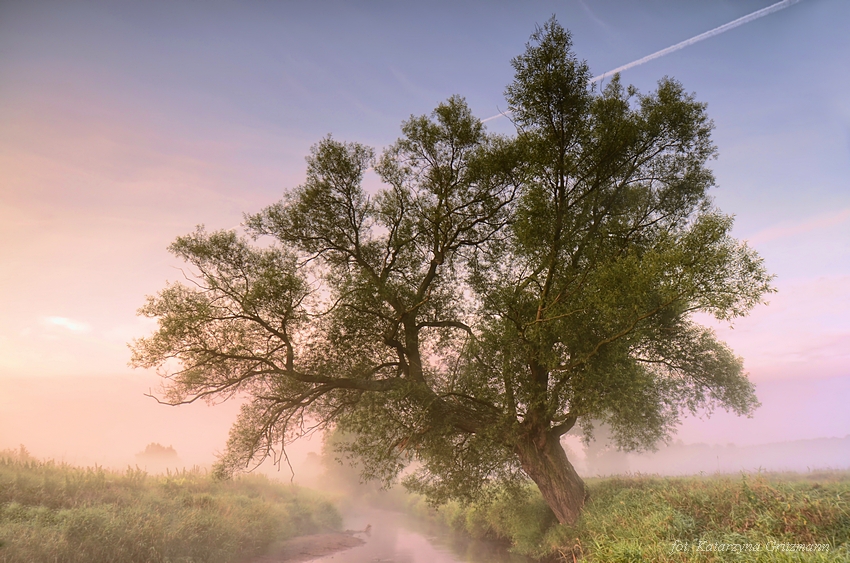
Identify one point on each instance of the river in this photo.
(398, 538)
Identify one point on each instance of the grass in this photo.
(58, 513)
(748, 518)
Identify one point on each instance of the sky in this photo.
(124, 125)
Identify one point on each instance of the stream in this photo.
(395, 537)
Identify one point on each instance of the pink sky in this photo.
(121, 129)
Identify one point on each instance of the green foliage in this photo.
(667, 520)
(517, 515)
(643, 518)
(55, 512)
(494, 293)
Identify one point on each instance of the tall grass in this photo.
(57, 513)
(747, 518)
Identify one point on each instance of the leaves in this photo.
(494, 292)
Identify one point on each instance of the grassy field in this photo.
(763, 517)
(53, 512)
(56, 513)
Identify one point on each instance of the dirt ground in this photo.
(304, 548)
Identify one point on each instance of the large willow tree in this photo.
(494, 294)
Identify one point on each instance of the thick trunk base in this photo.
(546, 463)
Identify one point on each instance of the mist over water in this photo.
(396, 537)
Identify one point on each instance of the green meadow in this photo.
(54, 512)
(765, 517)
(51, 512)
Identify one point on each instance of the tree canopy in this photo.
(492, 295)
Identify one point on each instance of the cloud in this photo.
(66, 323)
(788, 229)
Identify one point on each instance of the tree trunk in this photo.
(545, 462)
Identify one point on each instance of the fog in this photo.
(679, 458)
(109, 421)
(601, 458)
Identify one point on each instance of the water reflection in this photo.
(397, 538)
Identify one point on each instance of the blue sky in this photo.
(124, 125)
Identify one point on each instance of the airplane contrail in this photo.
(686, 43)
(696, 39)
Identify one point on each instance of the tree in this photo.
(157, 457)
(494, 294)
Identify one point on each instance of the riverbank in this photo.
(776, 517)
(56, 512)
